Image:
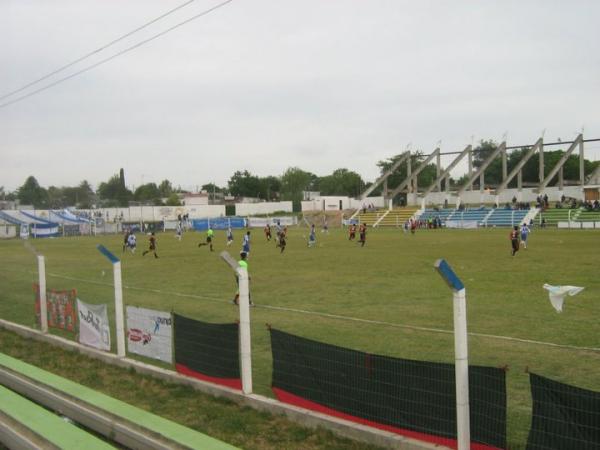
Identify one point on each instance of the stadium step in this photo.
(126, 424)
(25, 424)
(394, 218)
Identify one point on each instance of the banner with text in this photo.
(94, 329)
(60, 306)
(149, 333)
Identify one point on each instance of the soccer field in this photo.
(384, 298)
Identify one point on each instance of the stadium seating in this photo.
(587, 216)
(396, 217)
(370, 217)
(555, 215)
(483, 216)
(505, 217)
(477, 215)
(434, 213)
(392, 218)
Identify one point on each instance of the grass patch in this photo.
(217, 417)
(390, 281)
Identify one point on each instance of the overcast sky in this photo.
(264, 85)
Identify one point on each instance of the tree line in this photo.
(288, 186)
(114, 192)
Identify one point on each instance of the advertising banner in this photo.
(149, 333)
(94, 330)
(60, 306)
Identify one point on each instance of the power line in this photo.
(98, 50)
(133, 47)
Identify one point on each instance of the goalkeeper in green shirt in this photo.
(242, 263)
(209, 238)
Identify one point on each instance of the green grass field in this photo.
(390, 285)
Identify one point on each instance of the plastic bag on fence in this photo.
(557, 294)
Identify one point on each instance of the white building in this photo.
(195, 199)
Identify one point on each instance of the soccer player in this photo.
(246, 244)
(125, 239)
(152, 247)
(282, 243)
(325, 226)
(312, 238)
(525, 230)
(268, 232)
(362, 231)
(242, 263)
(209, 238)
(229, 236)
(352, 232)
(132, 243)
(514, 239)
(178, 230)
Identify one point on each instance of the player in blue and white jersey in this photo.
(525, 230)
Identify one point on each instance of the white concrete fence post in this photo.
(42, 284)
(119, 318)
(245, 338)
(461, 352)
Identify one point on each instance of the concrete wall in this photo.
(377, 202)
(332, 203)
(248, 209)
(8, 231)
(158, 213)
(195, 200)
(475, 197)
(299, 415)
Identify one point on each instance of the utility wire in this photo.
(98, 50)
(133, 47)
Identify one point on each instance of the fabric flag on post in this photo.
(60, 306)
(208, 351)
(149, 333)
(563, 416)
(558, 293)
(94, 330)
(416, 399)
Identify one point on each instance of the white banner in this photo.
(94, 329)
(461, 224)
(260, 222)
(149, 333)
(24, 232)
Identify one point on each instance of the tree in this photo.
(269, 187)
(530, 171)
(425, 177)
(56, 197)
(148, 192)
(244, 184)
(85, 195)
(114, 192)
(341, 182)
(293, 182)
(173, 200)
(31, 193)
(166, 188)
(211, 187)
